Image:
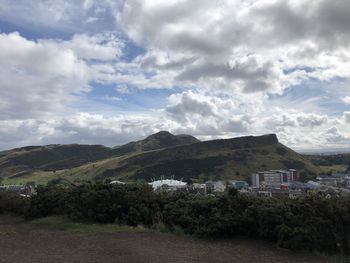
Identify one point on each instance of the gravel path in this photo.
(22, 242)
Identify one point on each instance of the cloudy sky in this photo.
(109, 71)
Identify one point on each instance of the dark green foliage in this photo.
(306, 175)
(13, 203)
(329, 160)
(293, 164)
(307, 223)
(105, 203)
(55, 181)
(49, 200)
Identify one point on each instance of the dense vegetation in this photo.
(311, 222)
(13, 203)
(329, 160)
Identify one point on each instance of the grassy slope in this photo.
(21, 161)
(226, 159)
(41, 163)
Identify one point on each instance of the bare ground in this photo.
(21, 241)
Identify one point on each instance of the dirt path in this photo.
(23, 242)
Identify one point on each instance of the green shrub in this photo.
(13, 203)
(307, 223)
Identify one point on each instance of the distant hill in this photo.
(184, 157)
(22, 161)
(331, 163)
(162, 139)
(233, 158)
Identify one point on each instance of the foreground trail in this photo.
(22, 242)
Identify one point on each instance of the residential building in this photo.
(274, 178)
(117, 182)
(197, 188)
(215, 186)
(346, 182)
(331, 180)
(24, 190)
(239, 185)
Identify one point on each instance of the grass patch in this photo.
(336, 168)
(62, 223)
(340, 259)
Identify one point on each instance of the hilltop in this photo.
(159, 140)
(163, 154)
(24, 161)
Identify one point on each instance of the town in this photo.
(265, 183)
(272, 183)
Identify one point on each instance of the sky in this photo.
(112, 71)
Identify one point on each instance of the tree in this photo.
(55, 181)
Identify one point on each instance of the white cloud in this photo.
(335, 137)
(82, 128)
(37, 78)
(47, 76)
(205, 115)
(102, 46)
(311, 120)
(346, 116)
(250, 45)
(346, 100)
(232, 60)
(61, 15)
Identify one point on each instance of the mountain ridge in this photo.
(161, 139)
(165, 154)
(22, 160)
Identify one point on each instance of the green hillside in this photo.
(54, 159)
(21, 161)
(233, 158)
(217, 159)
(159, 140)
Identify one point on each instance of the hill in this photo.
(159, 140)
(331, 163)
(22, 161)
(233, 158)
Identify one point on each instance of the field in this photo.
(56, 240)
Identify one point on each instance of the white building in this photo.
(274, 178)
(347, 182)
(215, 186)
(331, 180)
(117, 182)
(168, 184)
